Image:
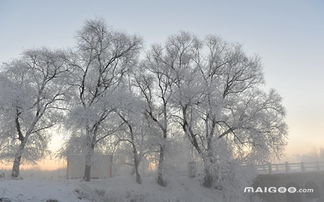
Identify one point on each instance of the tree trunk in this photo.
(16, 164)
(138, 176)
(136, 163)
(208, 178)
(208, 175)
(88, 162)
(160, 179)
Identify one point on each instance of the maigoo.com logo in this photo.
(281, 190)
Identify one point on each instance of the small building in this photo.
(101, 166)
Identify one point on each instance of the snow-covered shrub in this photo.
(229, 174)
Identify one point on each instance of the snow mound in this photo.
(116, 189)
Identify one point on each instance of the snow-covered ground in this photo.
(116, 189)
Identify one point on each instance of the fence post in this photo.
(302, 166)
(269, 168)
(287, 167)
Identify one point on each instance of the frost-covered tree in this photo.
(134, 130)
(31, 98)
(99, 64)
(155, 84)
(218, 95)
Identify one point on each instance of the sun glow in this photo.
(45, 164)
(152, 166)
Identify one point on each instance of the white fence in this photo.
(290, 167)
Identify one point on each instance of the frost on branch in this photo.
(31, 100)
(99, 65)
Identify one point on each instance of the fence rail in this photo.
(290, 167)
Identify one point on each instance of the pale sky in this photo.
(288, 35)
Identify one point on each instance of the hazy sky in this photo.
(288, 35)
